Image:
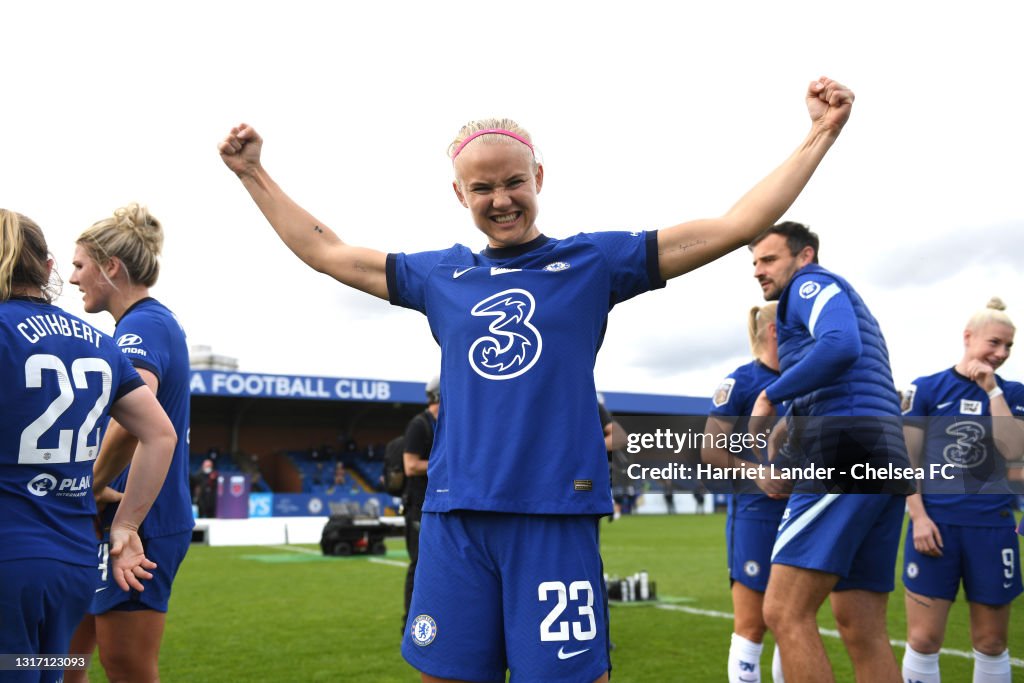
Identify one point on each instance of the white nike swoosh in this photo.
(1008, 584)
(459, 273)
(569, 655)
(101, 589)
(944, 405)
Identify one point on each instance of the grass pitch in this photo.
(288, 614)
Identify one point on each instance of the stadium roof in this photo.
(306, 387)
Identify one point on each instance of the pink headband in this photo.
(496, 131)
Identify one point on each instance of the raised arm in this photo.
(311, 240)
(690, 245)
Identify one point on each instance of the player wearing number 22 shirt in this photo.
(59, 376)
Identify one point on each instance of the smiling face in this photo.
(775, 265)
(88, 275)
(990, 343)
(498, 182)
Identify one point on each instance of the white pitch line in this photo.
(295, 549)
(1014, 661)
(310, 551)
(390, 563)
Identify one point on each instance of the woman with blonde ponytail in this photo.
(753, 517)
(115, 263)
(961, 426)
(61, 379)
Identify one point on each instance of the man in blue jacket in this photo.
(844, 417)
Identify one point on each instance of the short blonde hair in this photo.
(490, 124)
(131, 235)
(757, 322)
(992, 313)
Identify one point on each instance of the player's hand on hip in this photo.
(240, 150)
(106, 496)
(829, 103)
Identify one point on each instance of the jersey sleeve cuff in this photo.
(391, 273)
(140, 364)
(128, 387)
(653, 264)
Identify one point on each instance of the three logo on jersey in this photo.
(69, 487)
(513, 344)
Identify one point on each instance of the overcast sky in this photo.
(646, 115)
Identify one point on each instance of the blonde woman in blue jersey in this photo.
(967, 420)
(753, 517)
(61, 378)
(116, 261)
(510, 576)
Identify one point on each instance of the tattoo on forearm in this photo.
(317, 228)
(690, 245)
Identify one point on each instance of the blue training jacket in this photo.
(832, 354)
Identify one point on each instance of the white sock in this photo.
(744, 660)
(992, 669)
(777, 666)
(919, 668)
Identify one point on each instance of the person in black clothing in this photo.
(614, 442)
(419, 438)
(204, 489)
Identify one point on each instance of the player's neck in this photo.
(769, 359)
(30, 292)
(120, 303)
(961, 367)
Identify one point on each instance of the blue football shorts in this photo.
(986, 559)
(41, 603)
(168, 553)
(853, 535)
(750, 544)
(498, 591)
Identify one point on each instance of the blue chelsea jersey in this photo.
(954, 413)
(735, 397)
(150, 336)
(519, 330)
(59, 376)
